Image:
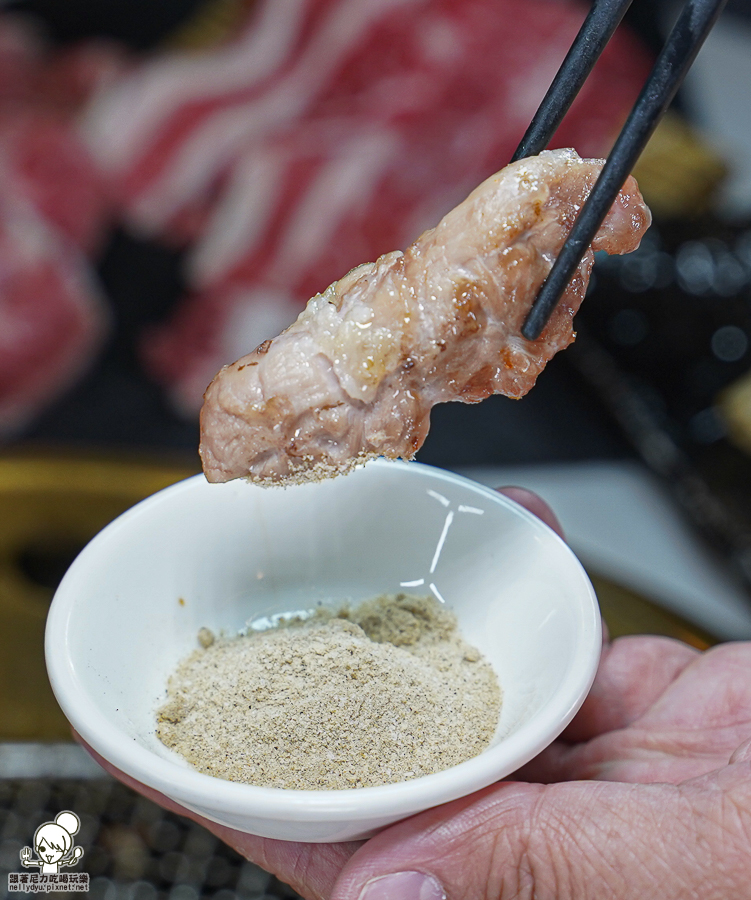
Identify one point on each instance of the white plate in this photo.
(197, 554)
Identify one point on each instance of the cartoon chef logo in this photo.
(53, 843)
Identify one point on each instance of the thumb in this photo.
(574, 841)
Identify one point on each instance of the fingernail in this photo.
(403, 886)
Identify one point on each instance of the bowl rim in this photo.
(193, 788)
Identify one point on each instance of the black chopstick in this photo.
(599, 25)
(675, 59)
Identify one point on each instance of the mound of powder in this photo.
(382, 693)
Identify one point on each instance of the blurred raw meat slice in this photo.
(54, 205)
(326, 133)
(299, 208)
(51, 316)
(474, 69)
(42, 91)
(141, 130)
(72, 74)
(21, 50)
(41, 156)
(35, 75)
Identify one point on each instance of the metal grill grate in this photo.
(133, 849)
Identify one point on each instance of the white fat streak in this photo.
(239, 219)
(346, 181)
(221, 135)
(124, 117)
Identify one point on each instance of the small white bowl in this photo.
(220, 555)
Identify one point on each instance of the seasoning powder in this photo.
(382, 693)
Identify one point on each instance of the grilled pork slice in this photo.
(356, 375)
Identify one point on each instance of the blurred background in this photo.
(178, 177)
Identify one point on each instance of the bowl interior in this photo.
(220, 556)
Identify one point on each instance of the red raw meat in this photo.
(476, 69)
(72, 74)
(54, 205)
(21, 52)
(51, 316)
(47, 163)
(330, 132)
(42, 91)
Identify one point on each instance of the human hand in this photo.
(646, 794)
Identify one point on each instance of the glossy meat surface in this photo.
(358, 372)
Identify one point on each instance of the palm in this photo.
(659, 712)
